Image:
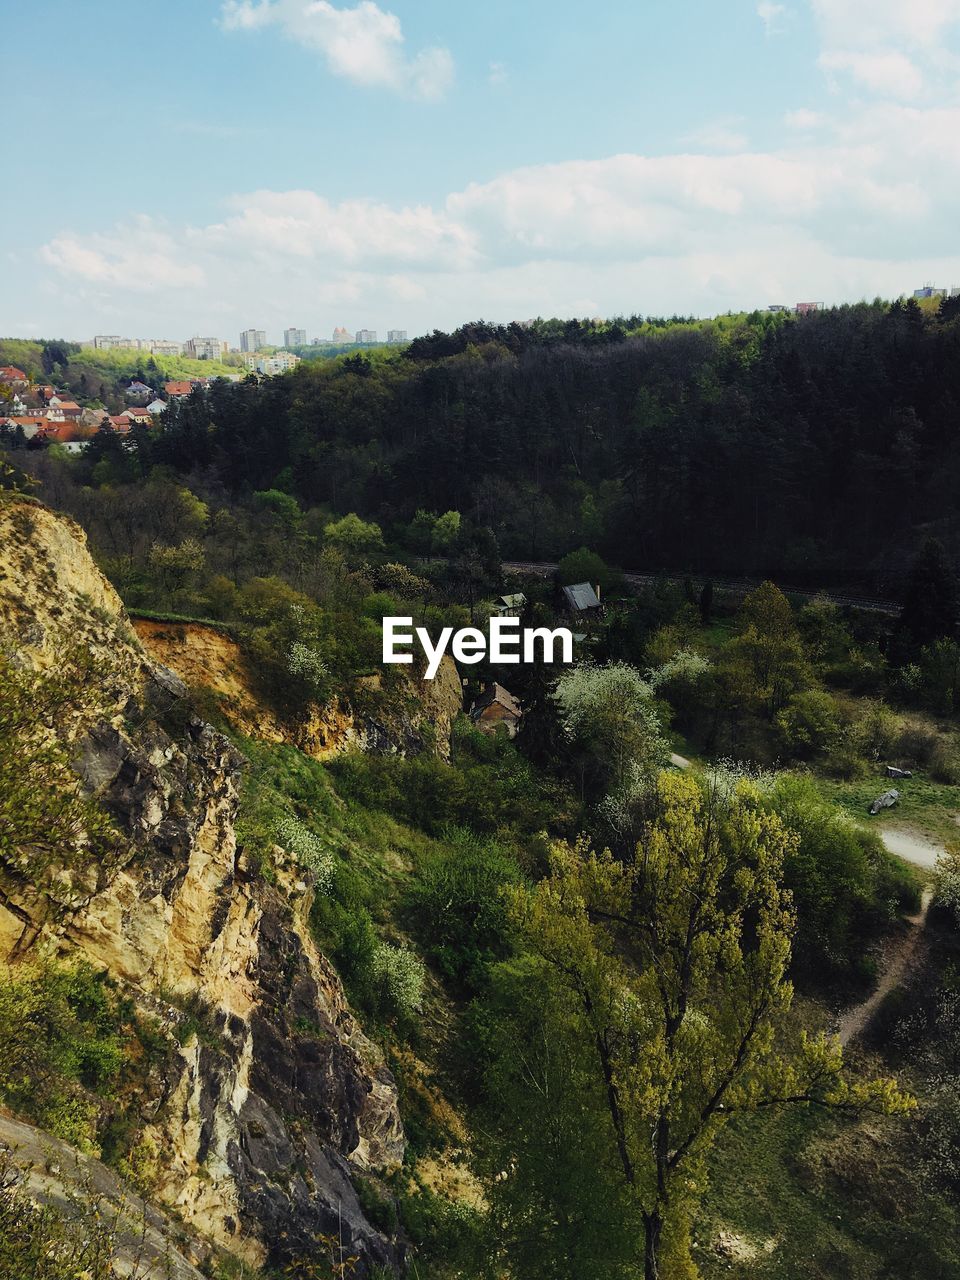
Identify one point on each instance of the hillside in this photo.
(344, 979)
(276, 1074)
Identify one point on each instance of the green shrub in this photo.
(456, 901)
(810, 724)
(398, 976)
(61, 1028)
(845, 886)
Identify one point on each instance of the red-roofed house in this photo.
(69, 434)
(68, 408)
(13, 376)
(178, 389)
(141, 416)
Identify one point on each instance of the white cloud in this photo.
(720, 135)
(852, 206)
(890, 74)
(139, 257)
(803, 119)
(771, 15)
(364, 44)
(290, 225)
(497, 73)
(858, 24)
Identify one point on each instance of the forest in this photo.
(628, 968)
(819, 450)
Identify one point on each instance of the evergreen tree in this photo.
(931, 605)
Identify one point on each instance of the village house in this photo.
(138, 391)
(178, 390)
(494, 707)
(69, 435)
(582, 600)
(12, 376)
(156, 407)
(141, 417)
(61, 408)
(511, 606)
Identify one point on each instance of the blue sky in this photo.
(219, 164)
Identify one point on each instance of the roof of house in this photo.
(515, 601)
(581, 596)
(10, 373)
(178, 388)
(68, 406)
(135, 412)
(139, 386)
(156, 406)
(496, 693)
(62, 431)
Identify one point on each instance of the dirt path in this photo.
(900, 954)
(897, 961)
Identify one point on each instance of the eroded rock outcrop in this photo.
(262, 1121)
(417, 715)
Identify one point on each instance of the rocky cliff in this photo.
(417, 716)
(263, 1121)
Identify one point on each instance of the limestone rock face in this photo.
(415, 716)
(264, 1119)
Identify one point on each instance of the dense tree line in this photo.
(820, 449)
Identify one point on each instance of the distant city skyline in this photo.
(423, 164)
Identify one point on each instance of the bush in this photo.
(845, 886)
(810, 725)
(39, 1242)
(458, 906)
(399, 976)
(877, 730)
(60, 1028)
(308, 850)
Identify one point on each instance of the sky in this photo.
(206, 166)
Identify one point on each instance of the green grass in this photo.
(160, 615)
(925, 806)
(839, 1199)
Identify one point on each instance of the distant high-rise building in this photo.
(804, 308)
(253, 339)
(342, 335)
(161, 347)
(366, 335)
(396, 335)
(204, 348)
(113, 342)
(294, 337)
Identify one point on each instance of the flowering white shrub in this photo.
(685, 667)
(307, 664)
(609, 713)
(300, 841)
(948, 883)
(401, 976)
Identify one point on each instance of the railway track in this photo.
(734, 586)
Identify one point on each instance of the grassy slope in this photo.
(837, 1199)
